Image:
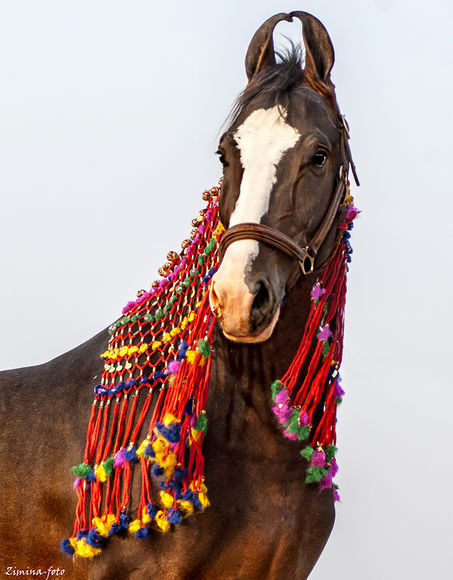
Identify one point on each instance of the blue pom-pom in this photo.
(91, 477)
(142, 533)
(183, 347)
(131, 383)
(131, 455)
(157, 470)
(144, 380)
(174, 517)
(95, 539)
(179, 474)
(152, 510)
(172, 433)
(115, 529)
(120, 386)
(66, 548)
(158, 375)
(187, 495)
(189, 406)
(196, 502)
(149, 451)
(81, 534)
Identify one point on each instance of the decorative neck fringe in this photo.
(162, 346)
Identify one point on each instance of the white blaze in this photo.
(262, 140)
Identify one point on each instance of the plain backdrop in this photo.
(110, 113)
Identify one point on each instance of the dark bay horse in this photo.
(281, 156)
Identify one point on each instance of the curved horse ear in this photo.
(319, 53)
(260, 53)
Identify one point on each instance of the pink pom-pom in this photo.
(336, 495)
(326, 482)
(120, 459)
(77, 482)
(283, 412)
(292, 436)
(173, 367)
(304, 419)
(202, 229)
(351, 213)
(192, 420)
(318, 458)
(281, 397)
(128, 307)
(333, 467)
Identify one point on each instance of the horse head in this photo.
(285, 160)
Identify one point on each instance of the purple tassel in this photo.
(326, 482)
(338, 391)
(333, 467)
(336, 495)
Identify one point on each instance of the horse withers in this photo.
(278, 295)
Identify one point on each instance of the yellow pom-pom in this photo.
(142, 348)
(73, 542)
(159, 445)
(184, 323)
(84, 550)
(169, 419)
(203, 499)
(191, 316)
(123, 350)
(134, 526)
(104, 526)
(169, 464)
(161, 521)
(132, 349)
(190, 356)
(195, 434)
(143, 446)
(156, 344)
(167, 337)
(166, 499)
(145, 516)
(186, 507)
(100, 474)
(174, 331)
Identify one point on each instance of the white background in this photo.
(109, 118)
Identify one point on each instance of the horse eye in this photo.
(319, 159)
(221, 157)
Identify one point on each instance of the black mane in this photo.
(274, 83)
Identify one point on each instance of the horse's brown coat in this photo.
(264, 521)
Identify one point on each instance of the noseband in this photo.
(305, 256)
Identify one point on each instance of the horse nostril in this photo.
(261, 301)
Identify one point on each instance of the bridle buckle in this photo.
(307, 265)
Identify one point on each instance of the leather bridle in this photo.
(307, 255)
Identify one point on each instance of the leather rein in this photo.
(305, 256)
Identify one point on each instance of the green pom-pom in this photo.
(204, 349)
(202, 423)
(108, 466)
(276, 387)
(201, 259)
(193, 273)
(292, 426)
(330, 452)
(179, 288)
(125, 320)
(304, 432)
(187, 282)
(81, 470)
(325, 349)
(315, 473)
(307, 452)
(118, 323)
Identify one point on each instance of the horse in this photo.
(285, 158)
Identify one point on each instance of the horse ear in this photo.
(319, 53)
(260, 53)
